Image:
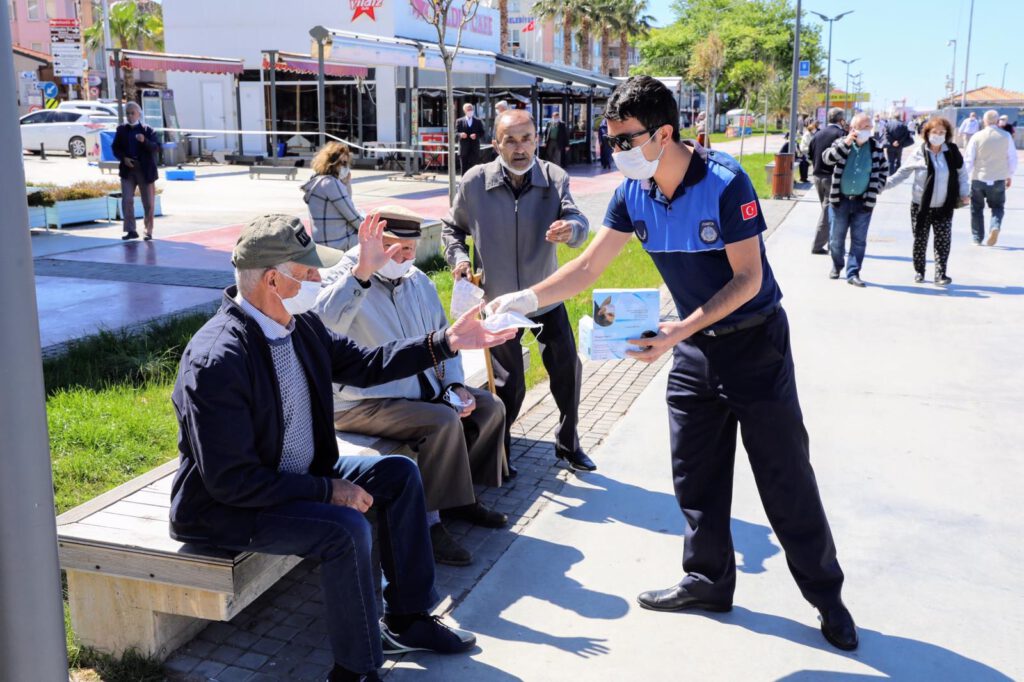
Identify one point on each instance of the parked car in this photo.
(107, 108)
(62, 129)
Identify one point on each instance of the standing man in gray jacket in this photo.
(517, 209)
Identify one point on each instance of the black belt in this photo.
(749, 323)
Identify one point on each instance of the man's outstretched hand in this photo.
(372, 254)
(469, 334)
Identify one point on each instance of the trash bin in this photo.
(281, 148)
(769, 171)
(782, 177)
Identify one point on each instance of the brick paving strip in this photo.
(283, 636)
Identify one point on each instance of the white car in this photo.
(105, 108)
(62, 130)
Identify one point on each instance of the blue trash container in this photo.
(281, 146)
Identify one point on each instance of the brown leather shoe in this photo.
(477, 514)
(446, 550)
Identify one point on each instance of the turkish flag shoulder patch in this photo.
(749, 210)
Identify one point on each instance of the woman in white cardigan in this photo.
(940, 186)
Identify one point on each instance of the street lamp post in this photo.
(828, 71)
(1002, 83)
(952, 71)
(977, 77)
(847, 62)
(967, 59)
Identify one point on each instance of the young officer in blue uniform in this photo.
(698, 217)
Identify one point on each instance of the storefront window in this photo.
(33, 10)
(51, 9)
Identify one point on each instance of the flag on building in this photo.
(529, 27)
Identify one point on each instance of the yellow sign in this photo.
(52, 103)
(845, 97)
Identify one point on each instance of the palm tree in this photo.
(132, 26)
(608, 23)
(633, 23)
(568, 13)
(503, 18)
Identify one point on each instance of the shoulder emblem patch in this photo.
(749, 210)
(640, 228)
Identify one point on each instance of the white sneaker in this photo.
(993, 237)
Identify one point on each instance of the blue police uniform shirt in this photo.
(686, 236)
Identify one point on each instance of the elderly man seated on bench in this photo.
(376, 295)
(260, 470)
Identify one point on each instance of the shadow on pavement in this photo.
(953, 290)
(632, 506)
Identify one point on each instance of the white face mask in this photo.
(469, 114)
(343, 172)
(514, 171)
(303, 301)
(634, 165)
(863, 136)
(393, 270)
(936, 140)
(508, 320)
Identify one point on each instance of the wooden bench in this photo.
(130, 586)
(289, 172)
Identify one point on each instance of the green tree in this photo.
(706, 68)
(133, 27)
(750, 76)
(566, 13)
(758, 30)
(634, 22)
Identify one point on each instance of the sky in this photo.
(902, 48)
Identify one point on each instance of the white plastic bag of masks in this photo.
(465, 296)
(508, 320)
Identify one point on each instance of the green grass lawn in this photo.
(754, 165)
(632, 269)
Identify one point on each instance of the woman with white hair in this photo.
(135, 146)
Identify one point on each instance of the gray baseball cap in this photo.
(276, 238)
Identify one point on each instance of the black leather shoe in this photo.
(676, 598)
(819, 252)
(477, 514)
(833, 274)
(446, 550)
(512, 472)
(856, 281)
(838, 627)
(577, 459)
(129, 235)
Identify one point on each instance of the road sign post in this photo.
(805, 68)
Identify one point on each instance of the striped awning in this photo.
(161, 61)
(292, 62)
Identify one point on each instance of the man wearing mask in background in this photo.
(859, 170)
(135, 146)
(697, 216)
(518, 209)
(469, 130)
(968, 129)
(991, 161)
(821, 141)
(556, 141)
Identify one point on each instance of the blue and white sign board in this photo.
(49, 89)
(805, 68)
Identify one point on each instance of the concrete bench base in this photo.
(289, 172)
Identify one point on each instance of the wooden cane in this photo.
(476, 278)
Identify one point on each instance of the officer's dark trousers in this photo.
(558, 353)
(745, 378)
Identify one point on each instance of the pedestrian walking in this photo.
(822, 175)
(1004, 123)
(556, 141)
(602, 140)
(858, 175)
(968, 128)
(991, 161)
(469, 130)
(805, 149)
(940, 186)
(896, 138)
(328, 194)
(135, 146)
(732, 361)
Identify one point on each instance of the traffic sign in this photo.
(49, 89)
(66, 48)
(805, 68)
(69, 80)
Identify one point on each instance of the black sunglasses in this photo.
(625, 141)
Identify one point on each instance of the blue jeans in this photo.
(849, 215)
(341, 539)
(995, 195)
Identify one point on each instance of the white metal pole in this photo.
(108, 44)
(31, 614)
(967, 58)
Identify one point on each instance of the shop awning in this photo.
(372, 50)
(161, 61)
(292, 62)
(560, 74)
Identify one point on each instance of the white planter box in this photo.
(115, 207)
(78, 211)
(36, 216)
